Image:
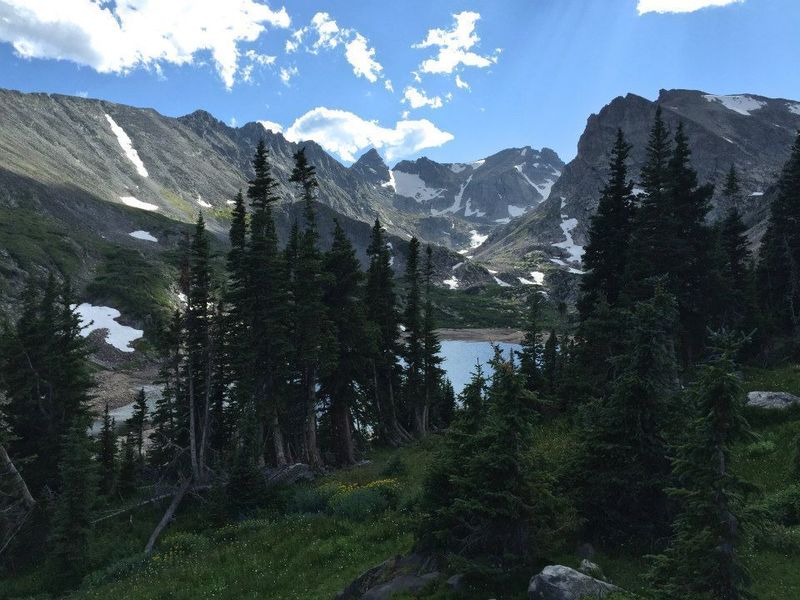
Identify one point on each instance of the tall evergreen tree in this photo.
(531, 353)
(550, 364)
(413, 351)
(107, 454)
(137, 422)
(128, 468)
(432, 372)
(703, 559)
(383, 319)
(72, 515)
(165, 438)
(779, 259)
(311, 331)
(348, 372)
(623, 464)
(266, 302)
(607, 249)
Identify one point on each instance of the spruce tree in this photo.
(137, 421)
(531, 353)
(71, 522)
(349, 371)
(622, 462)
(107, 454)
(165, 440)
(310, 333)
(128, 468)
(704, 559)
(381, 304)
(432, 371)
(606, 252)
(550, 364)
(413, 351)
(779, 258)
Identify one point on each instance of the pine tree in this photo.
(622, 465)
(531, 353)
(779, 264)
(606, 252)
(266, 302)
(107, 454)
(413, 351)
(310, 320)
(72, 515)
(165, 440)
(432, 371)
(703, 559)
(128, 468)
(349, 371)
(383, 319)
(550, 364)
(137, 421)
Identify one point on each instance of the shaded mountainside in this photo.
(752, 132)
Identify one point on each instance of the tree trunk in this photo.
(162, 524)
(310, 438)
(192, 425)
(277, 442)
(19, 482)
(345, 451)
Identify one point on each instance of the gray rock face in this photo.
(752, 132)
(772, 400)
(557, 582)
(400, 584)
(399, 574)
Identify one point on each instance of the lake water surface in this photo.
(461, 357)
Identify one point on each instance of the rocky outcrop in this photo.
(557, 582)
(399, 574)
(772, 400)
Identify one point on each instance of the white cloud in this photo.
(361, 57)
(82, 94)
(454, 46)
(461, 84)
(128, 34)
(272, 126)
(388, 85)
(346, 134)
(286, 74)
(680, 6)
(330, 36)
(418, 98)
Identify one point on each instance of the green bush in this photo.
(783, 507)
(308, 500)
(760, 448)
(780, 538)
(359, 504)
(394, 467)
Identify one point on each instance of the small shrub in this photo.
(308, 500)
(760, 448)
(783, 507)
(781, 539)
(394, 467)
(116, 571)
(185, 543)
(359, 504)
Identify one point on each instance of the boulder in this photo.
(400, 584)
(591, 569)
(557, 582)
(456, 582)
(772, 400)
(288, 475)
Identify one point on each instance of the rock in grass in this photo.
(557, 582)
(772, 400)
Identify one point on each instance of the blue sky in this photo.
(467, 78)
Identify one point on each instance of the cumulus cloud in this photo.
(120, 37)
(272, 126)
(454, 46)
(418, 98)
(346, 134)
(327, 35)
(680, 6)
(287, 73)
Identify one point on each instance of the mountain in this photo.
(752, 132)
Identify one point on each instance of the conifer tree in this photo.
(137, 421)
(383, 319)
(432, 371)
(128, 468)
(531, 353)
(607, 250)
(623, 466)
(266, 302)
(704, 558)
(550, 364)
(779, 258)
(413, 351)
(72, 515)
(310, 321)
(349, 361)
(165, 439)
(107, 454)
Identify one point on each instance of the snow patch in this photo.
(454, 267)
(452, 283)
(411, 185)
(757, 194)
(103, 317)
(202, 202)
(476, 239)
(468, 212)
(127, 146)
(524, 281)
(143, 235)
(574, 250)
(561, 263)
(504, 221)
(456, 206)
(134, 203)
(637, 191)
(477, 164)
(458, 167)
(390, 183)
(544, 189)
(492, 271)
(501, 283)
(744, 105)
(794, 107)
(516, 211)
(538, 277)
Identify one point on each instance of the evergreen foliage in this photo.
(107, 454)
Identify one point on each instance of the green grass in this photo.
(485, 307)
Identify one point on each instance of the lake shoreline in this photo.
(511, 336)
